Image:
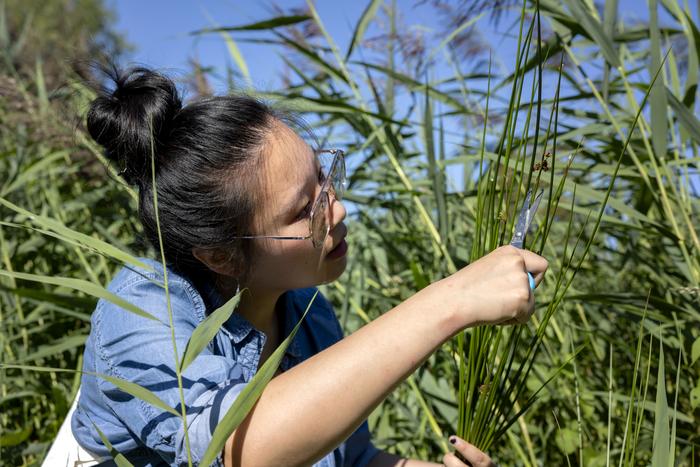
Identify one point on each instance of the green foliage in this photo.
(60, 34)
(617, 227)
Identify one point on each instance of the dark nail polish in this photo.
(453, 440)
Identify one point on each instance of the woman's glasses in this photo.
(333, 169)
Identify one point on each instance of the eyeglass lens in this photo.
(321, 218)
(320, 222)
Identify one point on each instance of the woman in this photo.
(245, 204)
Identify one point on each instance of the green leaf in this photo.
(128, 387)
(595, 29)
(56, 349)
(695, 397)
(695, 351)
(139, 392)
(322, 63)
(416, 85)
(249, 396)
(41, 88)
(69, 234)
(609, 19)
(236, 54)
(692, 36)
(258, 26)
(567, 440)
(206, 330)
(323, 105)
(84, 286)
(14, 438)
(419, 278)
(685, 117)
(454, 33)
(657, 96)
(361, 27)
(118, 457)
(32, 172)
(661, 430)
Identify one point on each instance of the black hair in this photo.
(202, 153)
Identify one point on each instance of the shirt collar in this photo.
(236, 325)
(240, 328)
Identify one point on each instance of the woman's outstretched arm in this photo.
(310, 409)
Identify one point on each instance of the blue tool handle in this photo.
(532, 281)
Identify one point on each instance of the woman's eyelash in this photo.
(305, 212)
(307, 209)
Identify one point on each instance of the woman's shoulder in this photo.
(310, 297)
(143, 287)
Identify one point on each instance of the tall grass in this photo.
(606, 373)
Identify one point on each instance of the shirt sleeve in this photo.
(141, 350)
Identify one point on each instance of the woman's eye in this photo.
(305, 212)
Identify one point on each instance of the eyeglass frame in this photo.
(338, 158)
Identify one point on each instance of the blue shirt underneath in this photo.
(127, 346)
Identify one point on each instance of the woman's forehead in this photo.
(289, 166)
(290, 158)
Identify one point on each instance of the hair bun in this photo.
(133, 118)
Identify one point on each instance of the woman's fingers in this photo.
(492, 290)
(534, 264)
(469, 452)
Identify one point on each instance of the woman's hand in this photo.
(493, 290)
(469, 452)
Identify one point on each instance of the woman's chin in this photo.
(335, 270)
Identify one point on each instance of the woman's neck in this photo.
(258, 307)
(261, 311)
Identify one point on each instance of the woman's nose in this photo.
(338, 211)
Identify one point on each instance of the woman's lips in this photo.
(339, 250)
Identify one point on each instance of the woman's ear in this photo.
(217, 260)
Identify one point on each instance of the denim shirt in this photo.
(127, 346)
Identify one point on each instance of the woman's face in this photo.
(290, 186)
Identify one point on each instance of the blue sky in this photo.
(160, 30)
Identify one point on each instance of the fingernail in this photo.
(453, 440)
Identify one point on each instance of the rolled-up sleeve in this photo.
(140, 350)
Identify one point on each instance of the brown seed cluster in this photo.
(544, 165)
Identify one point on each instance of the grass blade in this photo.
(259, 25)
(139, 392)
(84, 286)
(685, 116)
(73, 235)
(206, 330)
(361, 27)
(661, 446)
(130, 388)
(657, 96)
(117, 456)
(580, 12)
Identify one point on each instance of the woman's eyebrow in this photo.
(302, 193)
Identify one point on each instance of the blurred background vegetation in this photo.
(433, 131)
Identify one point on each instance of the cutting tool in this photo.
(527, 213)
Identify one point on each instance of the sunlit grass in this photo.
(606, 373)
